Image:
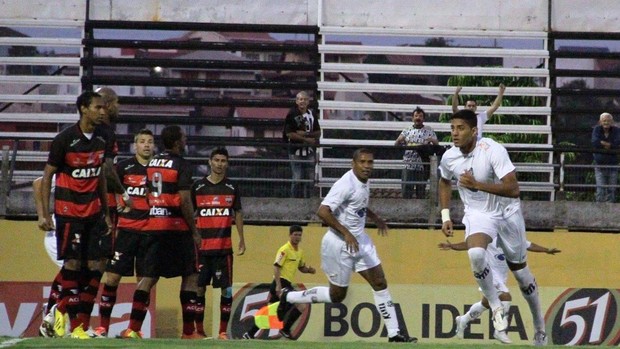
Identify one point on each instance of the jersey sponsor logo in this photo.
(136, 191)
(159, 211)
(230, 186)
(165, 163)
(212, 212)
(82, 173)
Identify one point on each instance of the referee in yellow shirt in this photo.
(289, 259)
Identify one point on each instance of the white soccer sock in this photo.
(483, 275)
(314, 295)
(529, 290)
(506, 306)
(383, 301)
(475, 311)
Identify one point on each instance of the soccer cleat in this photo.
(540, 338)
(130, 334)
(247, 335)
(461, 325)
(284, 306)
(223, 336)
(499, 319)
(401, 338)
(193, 335)
(286, 334)
(99, 332)
(60, 321)
(47, 325)
(502, 337)
(79, 333)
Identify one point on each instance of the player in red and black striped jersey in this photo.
(76, 157)
(217, 201)
(171, 232)
(131, 241)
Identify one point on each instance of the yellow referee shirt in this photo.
(289, 259)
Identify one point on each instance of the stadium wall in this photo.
(504, 15)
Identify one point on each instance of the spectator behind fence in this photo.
(606, 136)
(415, 170)
(301, 127)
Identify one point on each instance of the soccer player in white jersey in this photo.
(346, 247)
(514, 224)
(499, 268)
(483, 172)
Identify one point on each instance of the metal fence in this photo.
(265, 171)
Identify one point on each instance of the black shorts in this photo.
(129, 254)
(77, 239)
(215, 270)
(273, 296)
(107, 242)
(150, 251)
(176, 254)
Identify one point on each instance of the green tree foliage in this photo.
(508, 101)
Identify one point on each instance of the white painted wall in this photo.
(522, 15)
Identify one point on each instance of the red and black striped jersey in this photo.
(167, 174)
(78, 161)
(215, 207)
(133, 176)
(111, 152)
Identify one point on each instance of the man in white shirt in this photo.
(473, 105)
(483, 172)
(346, 247)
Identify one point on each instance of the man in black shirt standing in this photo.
(302, 130)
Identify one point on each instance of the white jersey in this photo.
(488, 162)
(510, 205)
(348, 201)
(482, 119)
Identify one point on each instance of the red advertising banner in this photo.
(21, 309)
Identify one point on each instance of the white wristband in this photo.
(125, 196)
(445, 215)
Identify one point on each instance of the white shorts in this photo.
(50, 247)
(338, 263)
(512, 238)
(479, 222)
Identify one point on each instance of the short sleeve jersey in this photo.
(488, 162)
(289, 259)
(510, 205)
(216, 204)
(78, 161)
(348, 201)
(414, 136)
(133, 176)
(167, 174)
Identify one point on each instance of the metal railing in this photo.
(268, 173)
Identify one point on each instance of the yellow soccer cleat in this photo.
(60, 322)
(79, 333)
(130, 334)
